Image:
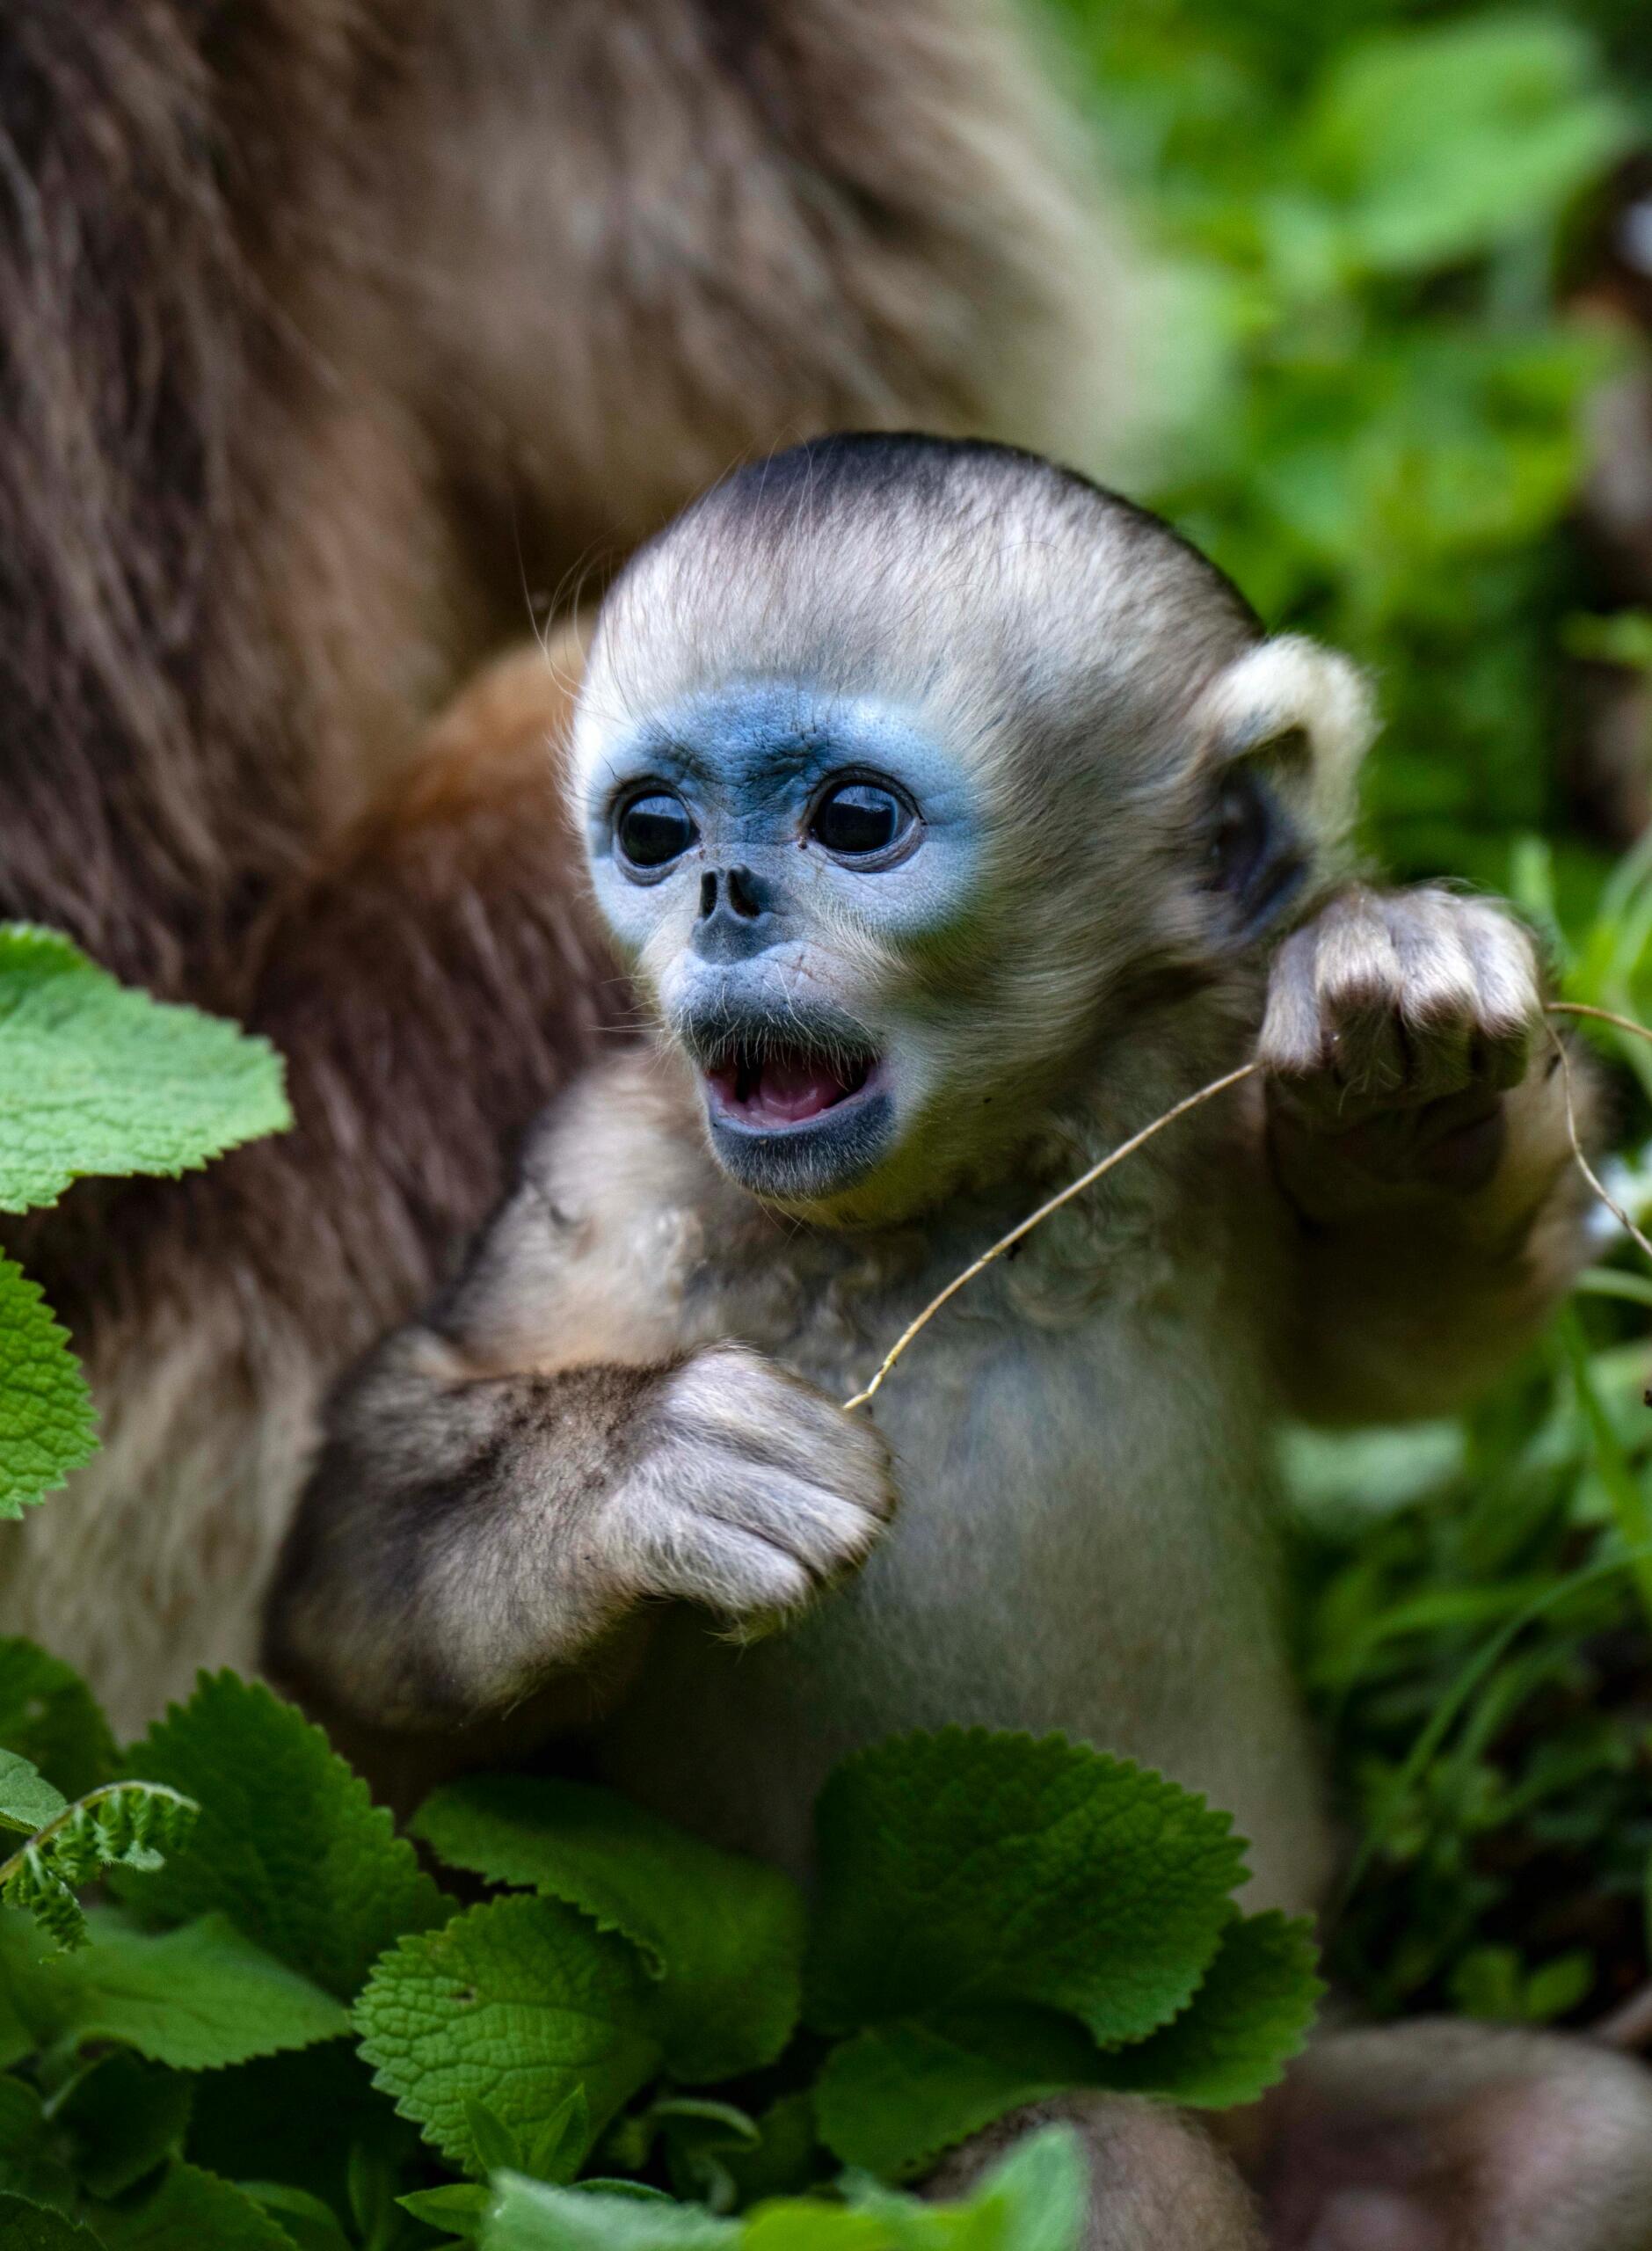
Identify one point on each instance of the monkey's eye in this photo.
(653, 828)
(859, 818)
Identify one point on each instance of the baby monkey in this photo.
(954, 818)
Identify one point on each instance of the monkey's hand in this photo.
(747, 1492)
(1397, 1024)
(1418, 1124)
(471, 1539)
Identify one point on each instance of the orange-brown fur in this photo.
(334, 331)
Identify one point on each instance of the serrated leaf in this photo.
(49, 1715)
(47, 1428)
(25, 2227)
(189, 2210)
(121, 1824)
(96, 1077)
(515, 2003)
(966, 1867)
(892, 2099)
(197, 1997)
(289, 1844)
(27, 1800)
(122, 2118)
(723, 1934)
(1249, 2017)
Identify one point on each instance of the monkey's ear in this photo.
(1281, 732)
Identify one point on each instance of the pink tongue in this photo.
(788, 1091)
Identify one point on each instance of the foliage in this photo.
(95, 1078)
(1367, 401)
(1368, 405)
(632, 2038)
(1362, 227)
(123, 1824)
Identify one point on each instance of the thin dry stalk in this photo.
(1579, 1158)
(1035, 1218)
(1191, 1102)
(1601, 1015)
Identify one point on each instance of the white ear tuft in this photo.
(1291, 688)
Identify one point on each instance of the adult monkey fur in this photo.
(315, 316)
(955, 818)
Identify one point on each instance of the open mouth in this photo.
(776, 1089)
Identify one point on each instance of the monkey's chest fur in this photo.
(1084, 1540)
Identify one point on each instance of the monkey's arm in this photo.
(1416, 1123)
(477, 1531)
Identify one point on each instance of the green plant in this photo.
(95, 1078)
(1371, 394)
(1366, 403)
(628, 2009)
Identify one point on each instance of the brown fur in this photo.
(329, 326)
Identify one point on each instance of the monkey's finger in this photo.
(1291, 1045)
(825, 1530)
(680, 1555)
(731, 1396)
(1439, 993)
(1356, 979)
(1509, 1002)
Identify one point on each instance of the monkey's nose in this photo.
(736, 918)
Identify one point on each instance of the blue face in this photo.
(741, 843)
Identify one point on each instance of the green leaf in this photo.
(788, 2157)
(289, 1844)
(49, 1715)
(1441, 144)
(47, 1425)
(27, 1802)
(122, 2118)
(723, 1935)
(517, 2003)
(16, 2039)
(459, 2209)
(98, 1078)
(562, 2140)
(970, 1866)
(1037, 2200)
(1249, 2017)
(312, 2224)
(495, 2147)
(25, 2227)
(31, 2156)
(121, 1824)
(196, 1998)
(310, 2118)
(894, 2097)
(531, 2216)
(188, 2210)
